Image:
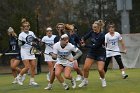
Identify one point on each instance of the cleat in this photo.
(103, 82)
(48, 77)
(18, 78)
(125, 76)
(84, 83)
(33, 83)
(66, 87)
(49, 87)
(14, 82)
(23, 77)
(78, 78)
(73, 82)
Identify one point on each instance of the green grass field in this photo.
(115, 84)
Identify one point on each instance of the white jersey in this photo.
(49, 46)
(49, 43)
(25, 49)
(63, 53)
(23, 37)
(112, 44)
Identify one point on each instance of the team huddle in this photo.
(62, 53)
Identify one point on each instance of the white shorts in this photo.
(66, 64)
(25, 54)
(48, 58)
(111, 53)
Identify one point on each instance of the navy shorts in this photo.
(18, 57)
(98, 56)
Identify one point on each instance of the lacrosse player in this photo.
(96, 52)
(15, 58)
(112, 39)
(65, 60)
(25, 42)
(48, 40)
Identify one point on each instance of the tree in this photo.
(11, 13)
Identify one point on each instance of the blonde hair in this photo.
(25, 23)
(11, 32)
(96, 23)
(100, 24)
(69, 26)
(23, 20)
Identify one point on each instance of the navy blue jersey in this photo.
(74, 39)
(56, 39)
(97, 41)
(96, 46)
(13, 45)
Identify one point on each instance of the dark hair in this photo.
(60, 24)
(110, 25)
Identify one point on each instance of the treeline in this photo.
(43, 13)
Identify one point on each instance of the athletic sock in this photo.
(123, 73)
(49, 84)
(63, 83)
(15, 78)
(103, 78)
(85, 79)
(31, 79)
(19, 75)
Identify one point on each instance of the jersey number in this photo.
(113, 43)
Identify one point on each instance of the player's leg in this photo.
(15, 70)
(108, 59)
(67, 75)
(87, 66)
(13, 67)
(23, 71)
(100, 65)
(50, 63)
(58, 70)
(32, 70)
(121, 66)
(52, 77)
(50, 67)
(78, 70)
